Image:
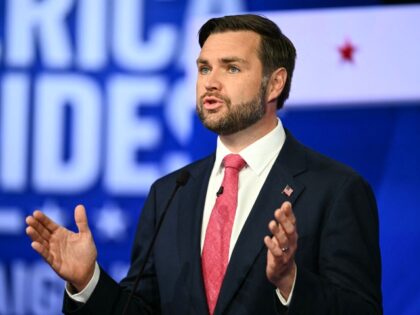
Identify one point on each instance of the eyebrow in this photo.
(224, 60)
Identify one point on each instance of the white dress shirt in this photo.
(260, 157)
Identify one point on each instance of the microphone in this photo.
(181, 180)
(220, 191)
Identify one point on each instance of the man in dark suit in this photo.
(212, 254)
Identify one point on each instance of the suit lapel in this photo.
(289, 163)
(190, 216)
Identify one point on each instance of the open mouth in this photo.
(212, 102)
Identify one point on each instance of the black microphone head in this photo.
(183, 178)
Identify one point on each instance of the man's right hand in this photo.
(71, 255)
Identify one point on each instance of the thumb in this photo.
(81, 219)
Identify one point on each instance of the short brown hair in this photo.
(275, 50)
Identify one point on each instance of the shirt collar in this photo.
(257, 155)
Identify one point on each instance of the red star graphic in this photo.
(347, 51)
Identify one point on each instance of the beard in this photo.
(238, 117)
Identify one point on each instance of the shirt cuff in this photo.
(282, 299)
(84, 295)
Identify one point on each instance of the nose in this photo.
(212, 82)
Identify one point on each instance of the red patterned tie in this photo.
(215, 254)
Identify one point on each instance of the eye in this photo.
(233, 69)
(203, 69)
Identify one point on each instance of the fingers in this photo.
(40, 229)
(286, 216)
(44, 252)
(280, 243)
(275, 249)
(36, 228)
(281, 247)
(46, 222)
(36, 237)
(284, 232)
(81, 219)
(286, 223)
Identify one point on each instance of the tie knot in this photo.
(234, 161)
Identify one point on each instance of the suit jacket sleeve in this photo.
(347, 277)
(109, 297)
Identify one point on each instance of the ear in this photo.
(276, 84)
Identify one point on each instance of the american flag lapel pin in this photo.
(288, 191)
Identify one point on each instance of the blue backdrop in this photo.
(97, 101)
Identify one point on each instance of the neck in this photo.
(240, 140)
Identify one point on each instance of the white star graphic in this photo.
(111, 222)
(54, 211)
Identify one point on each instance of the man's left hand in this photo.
(281, 267)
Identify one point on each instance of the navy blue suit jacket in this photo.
(338, 257)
